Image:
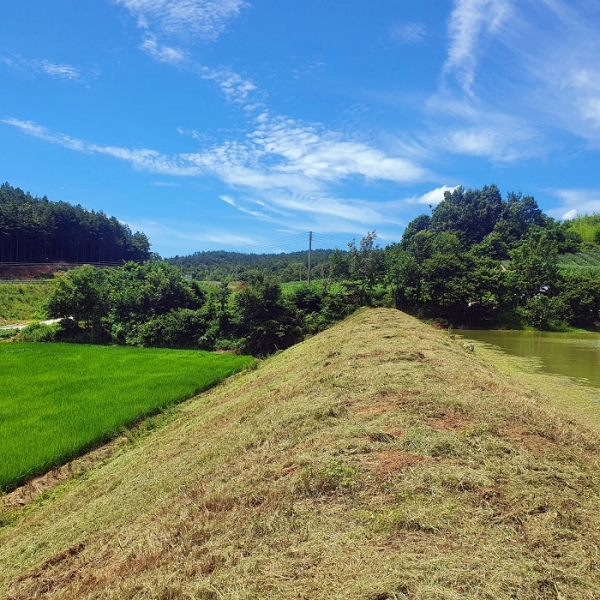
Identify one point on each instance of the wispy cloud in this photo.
(470, 21)
(283, 167)
(324, 155)
(177, 234)
(189, 19)
(161, 52)
(548, 78)
(253, 213)
(234, 87)
(141, 159)
(44, 66)
(562, 62)
(408, 33)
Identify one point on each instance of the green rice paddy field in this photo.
(58, 400)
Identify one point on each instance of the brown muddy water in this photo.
(575, 355)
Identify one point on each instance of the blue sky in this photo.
(242, 125)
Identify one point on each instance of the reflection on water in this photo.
(574, 355)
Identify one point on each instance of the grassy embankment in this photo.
(376, 460)
(61, 399)
(23, 302)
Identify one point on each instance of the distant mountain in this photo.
(220, 265)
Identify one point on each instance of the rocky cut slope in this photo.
(376, 460)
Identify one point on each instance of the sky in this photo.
(244, 124)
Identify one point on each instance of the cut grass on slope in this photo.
(61, 399)
(377, 460)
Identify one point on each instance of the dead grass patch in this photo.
(532, 442)
(392, 461)
(450, 422)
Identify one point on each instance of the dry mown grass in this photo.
(376, 460)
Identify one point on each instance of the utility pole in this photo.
(309, 251)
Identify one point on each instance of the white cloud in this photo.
(575, 202)
(433, 197)
(325, 156)
(189, 19)
(234, 87)
(535, 61)
(177, 234)
(161, 52)
(497, 143)
(45, 66)
(141, 159)
(281, 154)
(253, 213)
(285, 168)
(470, 21)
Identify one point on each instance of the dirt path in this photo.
(23, 325)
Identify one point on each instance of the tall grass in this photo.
(59, 400)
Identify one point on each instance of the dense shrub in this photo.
(37, 332)
(180, 328)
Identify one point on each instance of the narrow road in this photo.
(22, 325)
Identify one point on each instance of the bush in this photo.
(37, 332)
(8, 333)
(546, 312)
(180, 328)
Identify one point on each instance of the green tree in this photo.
(366, 264)
(403, 274)
(446, 284)
(81, 294)
(534, 265)
(471, 214)
(581, 293)
(265, 323)
(142, 292)
(339, 266)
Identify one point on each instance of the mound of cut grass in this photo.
(61, 399)
(376, 460)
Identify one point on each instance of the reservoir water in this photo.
(574, 355)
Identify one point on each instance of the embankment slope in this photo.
(376, 460)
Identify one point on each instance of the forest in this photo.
(477, 261)
(482, 261)
(38, 230)
(220, 265)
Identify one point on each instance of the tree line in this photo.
(38, 230)
(478, 260)
(153, 305)
(221, 265)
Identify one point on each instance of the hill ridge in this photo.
(378, 459)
